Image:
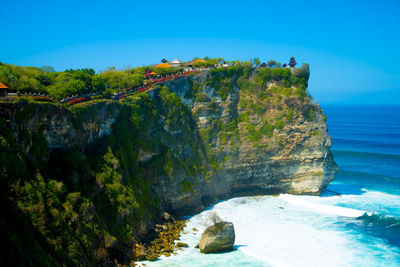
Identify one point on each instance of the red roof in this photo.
(2, 86)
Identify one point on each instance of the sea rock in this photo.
(110, 241)
(140, 252)
(182, 245)
(151, 257)
(168, 217)
(217, 238)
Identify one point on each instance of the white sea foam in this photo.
(286, 231)
(335, 210)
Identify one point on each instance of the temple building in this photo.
(175, 63)
(3, 89)
(164, 60)
(197, 61)
(263, 65)
(292, 62)
(163, 65)
(150, 73)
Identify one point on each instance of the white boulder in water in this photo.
(219, 237)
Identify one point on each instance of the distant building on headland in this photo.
(149, 73)
(163, 65)
(197, 61)
(175, 63)
(292, 62)
(3, 89)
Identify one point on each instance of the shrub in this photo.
(230, 126)
(289, 115)
(279, 124)
(244, 117)
(24, 112)
(206, 134)
(214, 218)
(214, 106)
(316, 133)
(258, 108)
(254, 135)
(202, 97)
(194, 89)
(267, 129)
(310, 114)
(300, 92)
(186, 186)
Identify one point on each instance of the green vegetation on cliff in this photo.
(265, 105)
(90, 203)
(61, 84)
(87, 205)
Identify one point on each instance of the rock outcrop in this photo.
(219, 237)
(177, 148)
(58, 125)
(264, 141)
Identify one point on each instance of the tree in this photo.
(220, 60)
(48, 69)
(256, 61)
(271, 63)
(98, 84)
(278, 65)
(9, 76)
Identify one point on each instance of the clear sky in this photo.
(352, 46)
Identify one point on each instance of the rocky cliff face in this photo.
(264, 142)
(115, 167)
(57, 124)
(257, 140)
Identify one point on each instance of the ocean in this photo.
(359, 227)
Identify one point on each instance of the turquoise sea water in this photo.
(359, 228)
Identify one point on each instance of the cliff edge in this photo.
(92, 179)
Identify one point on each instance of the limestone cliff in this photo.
(266, 140)
(112, 167)
(58, 124)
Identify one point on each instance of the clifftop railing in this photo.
(75, 99)
(153, 82)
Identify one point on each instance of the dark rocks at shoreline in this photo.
(182, 245)
(163, 244)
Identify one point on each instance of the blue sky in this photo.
(352, 46)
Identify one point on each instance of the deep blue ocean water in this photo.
(361, 227)
(366, 147)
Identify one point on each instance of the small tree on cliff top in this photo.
(271, 63)
(256, 61)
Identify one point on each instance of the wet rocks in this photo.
(182, 245)
(217, 238)
(164, 243)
